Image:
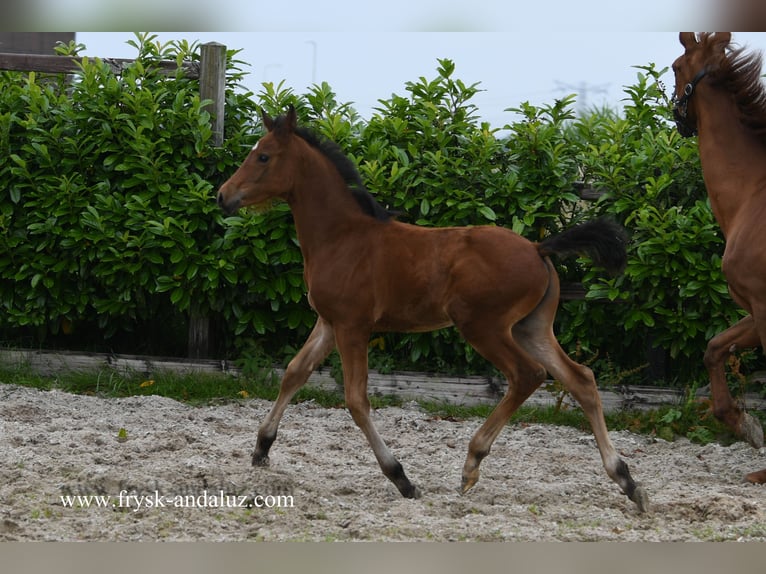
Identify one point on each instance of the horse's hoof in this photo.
(641, 499)
(751, 431)
(757, 477)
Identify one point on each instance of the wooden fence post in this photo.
(212, 86)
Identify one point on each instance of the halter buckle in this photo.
(681, 105)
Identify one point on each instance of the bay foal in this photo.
(366, 272)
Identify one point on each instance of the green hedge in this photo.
(109, 224)
(111, 236)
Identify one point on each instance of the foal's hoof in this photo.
(641, 499)
(751, 431)
(260, 459)
(412, 492)
(468, 482)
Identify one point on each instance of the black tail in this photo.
(601, 239)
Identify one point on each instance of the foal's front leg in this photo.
(352, 347)
(320, 343)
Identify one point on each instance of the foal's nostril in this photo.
(221, 200)
(227, 207)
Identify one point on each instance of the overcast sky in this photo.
(512, 67)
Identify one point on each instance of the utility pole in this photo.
(583, 89)
(313, 61)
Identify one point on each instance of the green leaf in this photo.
(488, 213)
(294, 318)
(177, 295)
(176, 256)
(18, 160)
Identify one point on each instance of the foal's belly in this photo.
(392, 324)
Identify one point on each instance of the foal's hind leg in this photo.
(319, 344)
(536, 336)
(523, 375)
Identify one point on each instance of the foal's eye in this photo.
(263, 158)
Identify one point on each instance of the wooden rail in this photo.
(70, 65)
(467, 391)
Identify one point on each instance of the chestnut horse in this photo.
(719, 96)
(366, 272)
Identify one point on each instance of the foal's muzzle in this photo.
(228, 205)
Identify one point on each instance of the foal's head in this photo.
(273, 166)
(701, 59)
(267, 172)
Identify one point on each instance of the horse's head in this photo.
(701, 57)
(266, 173)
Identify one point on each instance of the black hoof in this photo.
(411, 492)
(260, 459)
(261, 452)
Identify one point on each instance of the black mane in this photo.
(347, 170)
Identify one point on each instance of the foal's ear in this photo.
(267, 121)
(687, 39)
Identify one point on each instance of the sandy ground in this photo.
(169, 471)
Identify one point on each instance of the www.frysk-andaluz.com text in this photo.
(136, 502)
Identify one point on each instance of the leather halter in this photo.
(681, 106)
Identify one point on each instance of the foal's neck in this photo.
(323, 207)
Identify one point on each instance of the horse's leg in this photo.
(759, 476)
(352, 346)
(523, 375)
(742, 334)
(320, 343)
